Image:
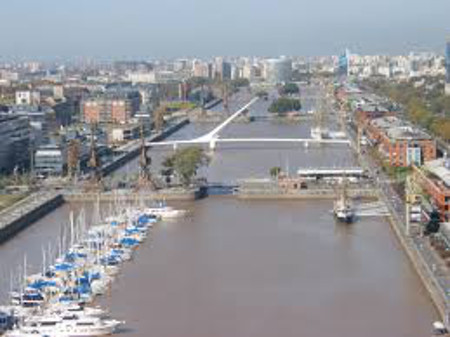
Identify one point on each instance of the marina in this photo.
(56, 301)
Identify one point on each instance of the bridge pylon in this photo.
(213, 144)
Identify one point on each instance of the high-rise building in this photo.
(201, 69)
(222, 69)
(278, 70)
(447, 68)
(15, 140)
(344, 64)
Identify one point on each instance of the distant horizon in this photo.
(72, 58)
(142, 29)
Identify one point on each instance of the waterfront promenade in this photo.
(26, 211)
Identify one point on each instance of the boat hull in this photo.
(344, 217)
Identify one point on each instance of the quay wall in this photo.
(426, 275)
(26, 212)
(306, 194)
(170, 195)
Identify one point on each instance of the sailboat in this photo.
(343, 208)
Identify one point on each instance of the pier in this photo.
(173, 194)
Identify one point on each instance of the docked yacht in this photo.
(165, 212)
(69, 325)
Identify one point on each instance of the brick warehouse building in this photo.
(402, 144)
(434, 179)
(111, 108)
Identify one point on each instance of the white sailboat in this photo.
(343, 208)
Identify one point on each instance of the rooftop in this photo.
(440, 168)
(396, 128)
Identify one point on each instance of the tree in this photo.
(434, 223)
(239, 83)
(441, 127)
(186, 162)
(275, 171)
(283, 105)
(199, 81)
(418, 112)
(262, 94)
(289, 89)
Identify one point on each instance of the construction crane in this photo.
(73, 158)
(145, 179)
(225, 97)
(94, 163)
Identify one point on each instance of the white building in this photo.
(142, 77)
(50, 160)
(28, 97)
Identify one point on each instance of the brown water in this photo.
(256, 268)
(239, 268)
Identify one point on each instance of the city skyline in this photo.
(50, 29)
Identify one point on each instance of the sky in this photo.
(204, 28)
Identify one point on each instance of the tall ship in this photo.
(343, 207)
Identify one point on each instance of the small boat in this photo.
(439, 329)
(165, 212)
(343, 208)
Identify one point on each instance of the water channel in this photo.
(256, 268)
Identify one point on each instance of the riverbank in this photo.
(416, 258)
(30, 209)
(306, 194)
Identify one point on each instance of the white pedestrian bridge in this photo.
(212, 137)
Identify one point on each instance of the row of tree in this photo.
(426, 106)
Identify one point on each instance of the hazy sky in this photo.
(172, 28)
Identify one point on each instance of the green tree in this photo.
(239, 83)
(275, 171)
(283, 105)
(441, 127)
(186, 162)
(262, 94)
(434, 223)
(289, 89)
